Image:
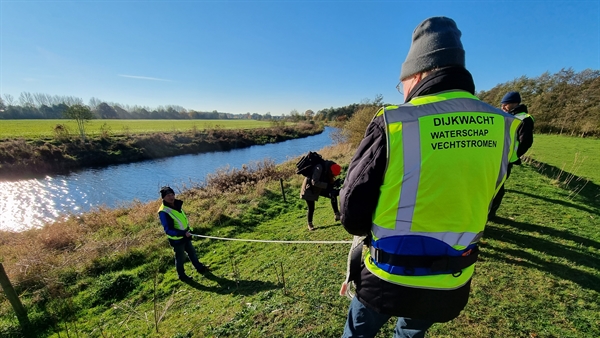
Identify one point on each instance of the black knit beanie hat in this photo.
(511, 97)
(435, 44)
(164, 191)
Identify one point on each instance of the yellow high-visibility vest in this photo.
(447, 156)
(523, 115)
(180, 220)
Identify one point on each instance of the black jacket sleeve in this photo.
(525, 134)
(360, 194)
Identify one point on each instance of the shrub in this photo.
(61, 132)
(105, 132)
(354, 130)
(57, 237)
(235, 180)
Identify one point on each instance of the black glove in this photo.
(337, 183)
(334, 193)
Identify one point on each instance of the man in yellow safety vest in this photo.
(511, 103)
(178, 231)
(420, 186)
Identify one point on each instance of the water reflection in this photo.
(31, 203)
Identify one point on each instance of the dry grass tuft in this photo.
(239, 180)
(59, 237)
(143, 213)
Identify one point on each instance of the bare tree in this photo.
(81, 114)
(94, 103)
(177, 108)
(9, 99)
(72, 101)
(58, 99)
(42, 99)
(378, 101)
(26, 99)
(55, 100)
(295, 115)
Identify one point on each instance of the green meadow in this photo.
(538, 274)
(575, 155)
(45, 128)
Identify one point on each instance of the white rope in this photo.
(272, 241)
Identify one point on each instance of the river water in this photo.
(31, 203)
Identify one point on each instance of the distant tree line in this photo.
(344, 113)
(563, 103)
(566, 102)
(44, 106)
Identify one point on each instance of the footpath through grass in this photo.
(30, 129)
(538, 274)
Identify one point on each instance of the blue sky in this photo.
(273, 56)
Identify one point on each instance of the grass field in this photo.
(45, 128)
(578, 156)
(538, 274)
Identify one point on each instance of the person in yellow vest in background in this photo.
(511, 103)
(420, 186)
(178, 230)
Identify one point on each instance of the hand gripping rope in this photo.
(352, 267)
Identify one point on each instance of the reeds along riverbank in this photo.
(36, 158)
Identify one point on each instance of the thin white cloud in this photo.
(144, 78)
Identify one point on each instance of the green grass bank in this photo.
(65, 151)
(109, 273)
(574, 155)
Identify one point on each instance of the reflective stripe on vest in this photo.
(522, 116)
(445, 209)
(180, 220)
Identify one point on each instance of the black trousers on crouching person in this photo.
(311, 207)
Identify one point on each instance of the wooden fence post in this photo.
(282, 191)
(15, 302)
